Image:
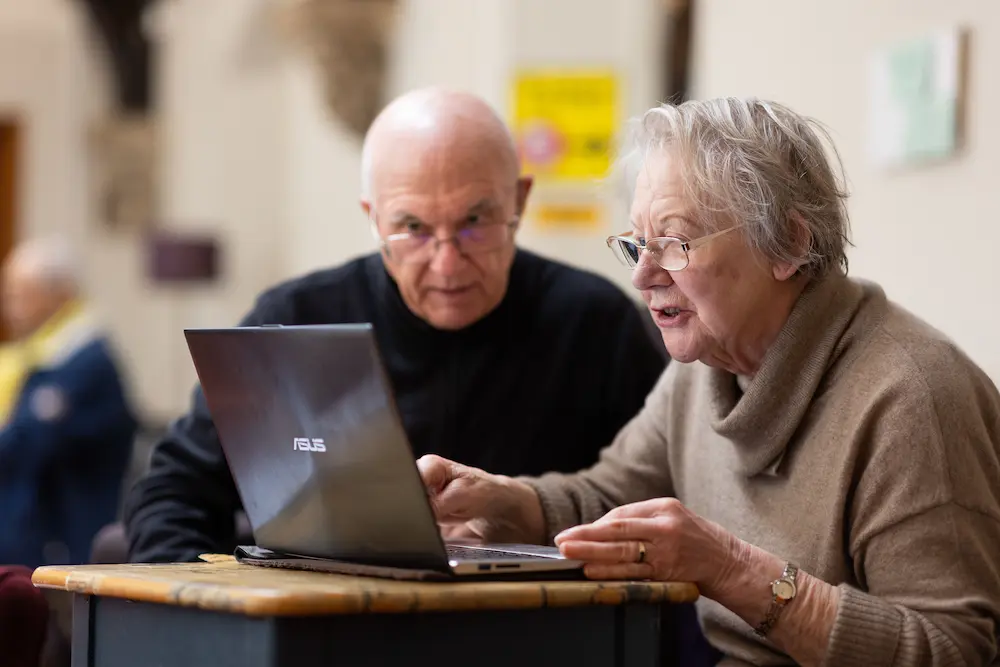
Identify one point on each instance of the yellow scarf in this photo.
(19, 359)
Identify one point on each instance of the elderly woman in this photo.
(822, 464)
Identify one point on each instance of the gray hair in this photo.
(760, 164)
(54, 260)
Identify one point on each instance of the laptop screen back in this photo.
(309, 427)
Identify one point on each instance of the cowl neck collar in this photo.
(761, 420)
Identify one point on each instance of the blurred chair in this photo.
(24, 619)
(110, 545)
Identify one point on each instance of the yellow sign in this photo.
(565, 123)
(568, 215)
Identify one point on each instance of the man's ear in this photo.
(799, 230)
(366, 206)
(523, 189)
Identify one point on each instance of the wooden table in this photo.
(222, 613)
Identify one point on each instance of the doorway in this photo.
(9, 154)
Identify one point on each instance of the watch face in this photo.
(783, 589)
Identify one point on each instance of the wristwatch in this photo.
(783, 589)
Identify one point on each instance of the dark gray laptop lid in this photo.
(309, 427)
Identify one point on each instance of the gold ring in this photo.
(642, 553)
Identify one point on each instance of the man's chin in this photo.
(452, 320)
(455, 311)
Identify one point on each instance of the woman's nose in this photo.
(648, 274)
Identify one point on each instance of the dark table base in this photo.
(110, 632)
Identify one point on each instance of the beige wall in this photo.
(49, 84)
(929, 235)
(218, 174)
(222, 111)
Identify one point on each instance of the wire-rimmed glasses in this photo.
(421, 243)
(669, 252)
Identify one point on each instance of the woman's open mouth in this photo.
(666, 318)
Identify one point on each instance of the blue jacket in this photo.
(63, 456)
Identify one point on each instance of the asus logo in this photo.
(309, 444)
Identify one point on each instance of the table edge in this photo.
(255, 601)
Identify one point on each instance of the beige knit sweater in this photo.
(865, 450)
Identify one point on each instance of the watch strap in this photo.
(770, 618)
(777, 603)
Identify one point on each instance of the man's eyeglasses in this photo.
(421, 243)
(668, 252)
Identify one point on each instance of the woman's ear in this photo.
(802, 243)
(784, 270)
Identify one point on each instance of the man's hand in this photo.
(470, 503)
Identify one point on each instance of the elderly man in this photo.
(67, 426)
(823, 464)
(482, 340)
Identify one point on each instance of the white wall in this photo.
(325, 224)
(927, 235)
(467, 45)
(224, 131)
(49, 85)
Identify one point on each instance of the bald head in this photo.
(39, 277)
(435, 122)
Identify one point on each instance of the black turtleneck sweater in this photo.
(541, 384)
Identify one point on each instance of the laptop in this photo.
(308, 424)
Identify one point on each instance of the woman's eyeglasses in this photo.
(669, 252)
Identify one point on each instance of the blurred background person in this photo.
(67, 427)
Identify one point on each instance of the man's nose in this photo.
(447, 258)
(648, 274)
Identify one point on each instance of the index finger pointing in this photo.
(616, 530)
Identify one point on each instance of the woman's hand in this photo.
(470, 503)
(655, 539)
(661, 539)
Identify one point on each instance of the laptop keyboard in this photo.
(457, 552)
